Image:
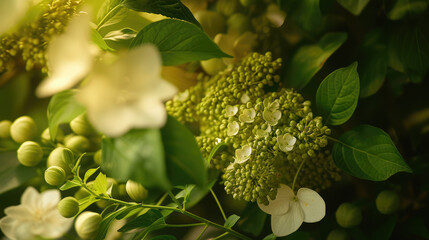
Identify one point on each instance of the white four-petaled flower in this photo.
(233, 128)
(127, 93)
(231, 110)
(37, 216)
(248, 115)
(271, 113)
(286, 142)
(288, 211)
(243, 154)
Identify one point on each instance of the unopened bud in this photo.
(78, 144)
(23, 129)
(81, 126)
(136, 191)
(387, 202)
(213, 66)
(55, 176)
(61, 157)
(46, 137)
(348, 215)
(87, 224)
(68, 207)
(97, 157)
(338, 234)
(30, 153)
(5, 128)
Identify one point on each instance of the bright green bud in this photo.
(387, 202)
(30, 153)
(68, 207)
(78, 144)
(81, 126)
(213, 66)
(348, 215)
(23, 129)
(61, 157)
(87, 224)
(212, 22)
(46, 137)
(136, 191)
(5, 128)
(338, 234)
(97, 157)
(55, 176)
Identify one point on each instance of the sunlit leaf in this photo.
(354, 6)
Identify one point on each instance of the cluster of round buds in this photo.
(270, 130)
(29, 43)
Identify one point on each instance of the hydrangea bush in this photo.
(217, 119)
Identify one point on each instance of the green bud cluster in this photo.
(29, 43)
(245, 105)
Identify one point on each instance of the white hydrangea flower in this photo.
(233, 128)
(37, 216)
(263, 133)
(245, 98)
(288, 211)
(248, 115)
(127, 93)
(243, 154)
(69, 57)
(12, 12)
(271, 106)
(231, 110)
(272, 118)
(286, 142)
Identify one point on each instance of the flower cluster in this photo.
(29, 43)
(269, 130)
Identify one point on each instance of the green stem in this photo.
(296, 175)
(175, 200)
(222, 235)
(186, 225)
(202, 232)
(218, 204)
(162, 199)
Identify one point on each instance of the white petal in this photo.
(49, 199)
(24, 231)
(8, 225)
(30, 197)
(312, 205)
(231, 110)
(245, 98)
(280, 205)
(69, 57)
(283, 225)
(243, 154)
(233, 128)
(20, 212)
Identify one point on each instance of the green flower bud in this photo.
(61, 157)
(97, 157)
(55, 176)
(23, 129)
(213, 66)
(338, 234)
(78, 144)
(87, 224)
(81, 126)
(68, 207)
(212, 22)
(46, 137)
(387, 202)
(136, 191)
(348, 215)
(30, 153)
(5, 128)
(238, 23)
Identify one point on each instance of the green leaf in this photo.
(215, 150)
(195, 193)
(306, 13)
(338, 95)
(168, 8)
(164, 237)
(86, 202)
(270, 237)
(231, 221)
(99, 41)
(111, 12)
(385, 229)
(70, 184)
(14, 95)
(368, 153)
(185, 163)
(405, 8)
(137, 155)
(354, 6)
(89, 173)
(105, 223)
(252, 219)
(62, 108)
(13, 174)
(123, 34)
(308, 60)
(416, 226)
(178, 47)
(373, 61)
(143, 221)
(100, 184)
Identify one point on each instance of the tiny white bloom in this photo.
(245, 98)
(288, 211)
(243, 154)
(127, 93)
(37, 216)
(69, 57)
(272, 118)
(233, 128)
(231, 110)
(263, 133)
(286, 142)
(248, 115)
(271, 106)
(12, 12)
(182, 96)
